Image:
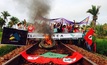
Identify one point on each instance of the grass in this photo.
(102, 46)
(101, 40)
(6, 49)
(0, 35)
(0, 40)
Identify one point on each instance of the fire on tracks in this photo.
(36, 50)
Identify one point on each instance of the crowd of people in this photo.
(60, 27)
(30, 27)
(66, 28)
(57, 27)
(73, 28)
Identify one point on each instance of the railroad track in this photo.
(36, 50)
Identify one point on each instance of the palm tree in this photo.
(94, 11)
(13, 21)
(5, 14)
(10, 24)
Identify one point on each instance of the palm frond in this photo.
(94, 10)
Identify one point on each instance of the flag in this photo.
(85, 20)
(14, 36)
(88, 36)
(65, 60)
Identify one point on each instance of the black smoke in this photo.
(38, 11)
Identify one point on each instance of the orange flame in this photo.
(48, 39)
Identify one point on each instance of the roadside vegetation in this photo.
(6, 49)
(102, 46)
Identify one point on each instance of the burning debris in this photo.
(48, 39)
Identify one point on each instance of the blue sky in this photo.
(69, 9)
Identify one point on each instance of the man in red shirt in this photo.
(31, 28)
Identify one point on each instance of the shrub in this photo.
(101, 46)
(6, 49)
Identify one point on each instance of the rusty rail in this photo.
(84, 60)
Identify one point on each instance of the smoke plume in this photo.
(37, 11)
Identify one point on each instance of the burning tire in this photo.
(44, 45)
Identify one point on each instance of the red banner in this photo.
(40, 59)
(88, 36)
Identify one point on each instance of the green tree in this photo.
(105, 29)
(13, 21)
(94, 11)
(99, 31)
(5, 14)
(2, 22)
(10, 24)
